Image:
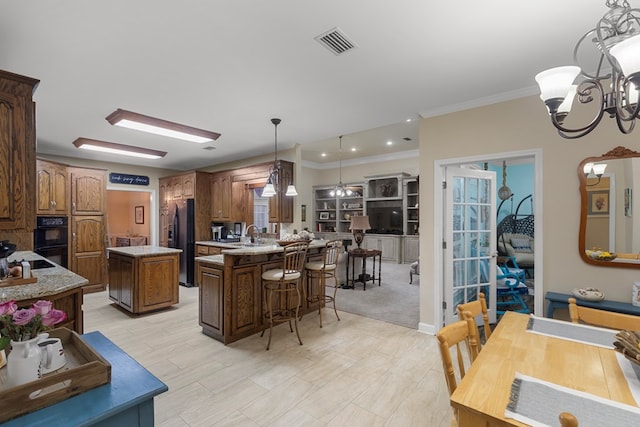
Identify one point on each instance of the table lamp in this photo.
(358, 225)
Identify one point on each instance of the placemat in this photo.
(539, 403)
(631, 372)
(585, 334)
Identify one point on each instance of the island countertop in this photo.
(241, 249)
(143, 251)
(51, 281)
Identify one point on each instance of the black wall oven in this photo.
(51, 238)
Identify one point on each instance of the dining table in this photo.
(580, 368)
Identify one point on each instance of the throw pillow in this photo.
(521, 244)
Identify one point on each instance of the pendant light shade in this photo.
(271, 187)
(340, 190)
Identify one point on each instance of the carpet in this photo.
(395, 301)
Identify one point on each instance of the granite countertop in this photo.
(212, 259)
(239, 249)
(143, 251)
(51, 281)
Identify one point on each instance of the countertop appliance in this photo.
(6, 249)
(218, 232)
(182, 236)
(51, 238)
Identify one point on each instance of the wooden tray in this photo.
(85, 369)
(15, 281)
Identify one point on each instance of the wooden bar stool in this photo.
(317, 274)
(282, 288)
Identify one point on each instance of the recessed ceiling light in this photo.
(409, 119)
(323, 154)
(162, 127)
(353, 149)
(113, 148)
(389, 142)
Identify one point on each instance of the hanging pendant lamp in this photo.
(272, 182)
(340, 190)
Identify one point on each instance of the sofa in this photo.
(519, 246)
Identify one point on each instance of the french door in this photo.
(470, 239)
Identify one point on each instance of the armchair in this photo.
(509, 291)
(519, 246)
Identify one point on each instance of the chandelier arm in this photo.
(621, 124)
(584, 94)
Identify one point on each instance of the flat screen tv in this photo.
(385, 216)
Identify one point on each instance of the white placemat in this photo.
(631, 373)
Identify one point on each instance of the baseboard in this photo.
(426, 328)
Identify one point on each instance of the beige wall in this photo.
(517, 125)
(121, 214)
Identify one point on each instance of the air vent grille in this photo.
(336, 41)
(210, 147)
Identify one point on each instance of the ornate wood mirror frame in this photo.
(619, 171)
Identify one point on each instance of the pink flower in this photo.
(23, 316)
(8, 307)
(42, 307)
(54, 317)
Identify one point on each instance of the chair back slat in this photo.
(294, 257)
(332, 252)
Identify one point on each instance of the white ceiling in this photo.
(230, 66)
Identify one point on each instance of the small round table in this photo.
(352, 254)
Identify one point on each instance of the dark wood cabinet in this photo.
(88, 256)
(281, 206)
(143, 283)
(17, 156)
(210, 279)
(53, 188)
(221, 189)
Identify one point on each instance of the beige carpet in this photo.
(395, 301)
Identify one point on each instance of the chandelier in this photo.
(273, 180)
(614, 85)
(340, 190)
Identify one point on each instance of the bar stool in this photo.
(317, 274)
(282, 288)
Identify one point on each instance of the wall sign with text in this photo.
(123, 178)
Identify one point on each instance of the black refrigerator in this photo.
(182, 236)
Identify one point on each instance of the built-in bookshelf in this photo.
(333, 213)
(412, 214)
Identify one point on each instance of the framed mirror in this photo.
(609, 227)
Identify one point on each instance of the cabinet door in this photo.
(45, 179)
(158, 282)
(221, 198)
(53, 193)
(17, 155)
(246, 311)
(176, 187)
(238, 203)
(189, 186)
(60, 190)
(88, 258)
(163, 184)
(411, 250)
(121, 280)
(88, 190)
(210, 284)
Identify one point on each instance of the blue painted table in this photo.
(126, 401)
(558, 300)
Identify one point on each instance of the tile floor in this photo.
(356, 372)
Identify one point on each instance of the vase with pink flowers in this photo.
(20, 328)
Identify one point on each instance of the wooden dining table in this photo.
(482, 396)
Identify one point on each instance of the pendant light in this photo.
(340, 190)
(270, 188)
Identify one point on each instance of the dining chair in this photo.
(568, 420)
(476, 308)
(282, 289)
(317, 274)
(603, 318)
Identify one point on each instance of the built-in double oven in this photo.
(51, 238)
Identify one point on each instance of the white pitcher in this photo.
(23, 363)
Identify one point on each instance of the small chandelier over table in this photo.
(340, 189)
(615, 83)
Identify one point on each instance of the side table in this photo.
(352, 254)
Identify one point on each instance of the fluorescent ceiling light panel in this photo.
(113, 148)
(157, 126)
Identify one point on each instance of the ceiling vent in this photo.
(336, 41)
(209, 148)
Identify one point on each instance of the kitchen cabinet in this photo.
(389, 245)
(88, 257)
(53, 195)
(241, 202)
(163, 192)
(221, 197)
(411, 249)
(143, 279)
(210, 279)
(204, 250)
(88, 191)
(281, 206)
(17, 156)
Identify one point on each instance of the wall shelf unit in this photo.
(333, 213)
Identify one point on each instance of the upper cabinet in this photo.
(221, 197)
(53, 188)
(88, 191)
(384, 187)
(17, 152)
(281, 206)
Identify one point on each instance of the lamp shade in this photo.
(598, 169)
(555, 83)
(359, 223)
(627, 53)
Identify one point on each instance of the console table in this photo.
(126, 401)
(558, 300)
(352, 254)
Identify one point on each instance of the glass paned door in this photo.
(470, 239)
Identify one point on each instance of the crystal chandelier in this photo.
(270, 187)
(613, 86)
(340, 190)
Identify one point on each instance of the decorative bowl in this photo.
(588, 294)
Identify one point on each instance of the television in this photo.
(385, 216)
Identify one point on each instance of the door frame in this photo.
(439, 172)
(153, 207)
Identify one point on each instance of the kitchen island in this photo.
(230, 286)
(143, 278)
(54, 283)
